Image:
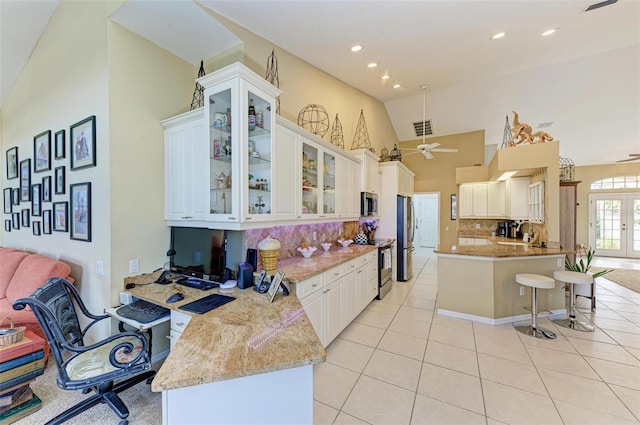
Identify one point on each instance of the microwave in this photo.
(368, 204)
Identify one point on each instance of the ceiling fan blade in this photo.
(634, 157)
(444, 150)
(427, 154)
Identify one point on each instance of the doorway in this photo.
(427, 210)
(614, 224)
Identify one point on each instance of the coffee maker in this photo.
(514, 230)
(502, 229)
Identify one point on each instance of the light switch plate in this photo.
(134, 266)
(100, 268)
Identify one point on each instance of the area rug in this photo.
(628, 278)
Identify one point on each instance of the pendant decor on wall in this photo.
(272, 75)
(361, 138)
(337, 137)
(506, 136)
(198, 93)
(314, 118)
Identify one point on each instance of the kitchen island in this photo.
(478, 282)
(248, 361)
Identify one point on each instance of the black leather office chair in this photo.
(122, 357)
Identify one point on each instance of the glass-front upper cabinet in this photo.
(311, 180)
(239, 108)
(328, 184)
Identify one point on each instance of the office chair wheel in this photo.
(149, 380)
(123, 422)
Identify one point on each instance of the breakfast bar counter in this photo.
(477, 282)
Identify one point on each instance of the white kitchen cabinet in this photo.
(496, 205)
(185, 178)
(465, 201)
(287, 177)
(473, 200)
(395, 179)
(369, 173)
(348, 205)
(179, 322)
(517, 191)
(473, 241)
(238, 112)
(333, 299)
(536, 202)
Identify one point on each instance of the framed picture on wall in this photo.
(59, 176)
(25, 218)
(36, 200)
(59, 144)
(82, 143)
(8, 208)
(42, 151)
(46, 189)
(36, 228)
(80, 195)
(60, 217)
(15, 196)
(25, 180)
(15, 221)
(12, 163)
(46, 222)
(454, 207)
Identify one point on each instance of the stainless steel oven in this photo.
(385, 266)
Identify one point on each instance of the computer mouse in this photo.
(178, 296)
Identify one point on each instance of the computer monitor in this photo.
(198, 252)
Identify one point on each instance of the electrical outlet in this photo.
(559, 262)
(100, 268)
(315, 236)
(446, 228)
(477, 225)
(134, 266)
(521, 290)
(340, 231)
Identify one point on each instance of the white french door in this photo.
(427, 219)
(614, 224)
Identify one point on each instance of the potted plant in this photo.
(580, 266)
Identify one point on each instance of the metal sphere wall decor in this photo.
(272, 75)
(198, 93)
(337, 137)
(361, 138)
(314, 118)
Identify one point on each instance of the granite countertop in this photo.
(247, 336)
(498, 251)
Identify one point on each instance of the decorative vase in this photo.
(361, 239)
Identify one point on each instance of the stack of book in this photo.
(20, 363)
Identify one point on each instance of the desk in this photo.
(144, 327)
(243, 348)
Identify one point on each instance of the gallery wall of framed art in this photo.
(44, 199)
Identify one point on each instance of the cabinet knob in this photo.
(232, 218)
(314, 285)
(180, 324)
(249, 218)
(325, 291)
(186, 217)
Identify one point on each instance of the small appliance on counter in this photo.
(502, 229)
(514, 231)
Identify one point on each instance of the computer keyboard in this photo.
(142, 311)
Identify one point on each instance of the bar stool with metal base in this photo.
(573, 278)
(535, 281)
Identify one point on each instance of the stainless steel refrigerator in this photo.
(406, 226)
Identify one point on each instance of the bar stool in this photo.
(535, 281)
(573, 278)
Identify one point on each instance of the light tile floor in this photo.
(399, 362)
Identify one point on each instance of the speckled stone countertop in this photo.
(498, 251)
(247, 336)
(297, 269)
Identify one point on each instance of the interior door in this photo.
(614, 224)
(427, 219)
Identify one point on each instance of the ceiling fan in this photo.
(634, 157)
(426, 148)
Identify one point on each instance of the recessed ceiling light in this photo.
(386, 77)
(356, 48)
(549, 32)
(396, 86)
(372, 65)
(498, 35)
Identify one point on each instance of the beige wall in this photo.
(439, 174)
(303, 84)
(589, 174)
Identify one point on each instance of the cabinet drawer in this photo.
(179, 321)
(351, 266)
(309, 286)
(333, 274)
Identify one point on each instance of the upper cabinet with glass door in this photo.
(240, 114)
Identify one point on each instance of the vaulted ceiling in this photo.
(444, 44)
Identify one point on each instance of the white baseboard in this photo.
(502, 320)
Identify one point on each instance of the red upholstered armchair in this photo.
(21, 273)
